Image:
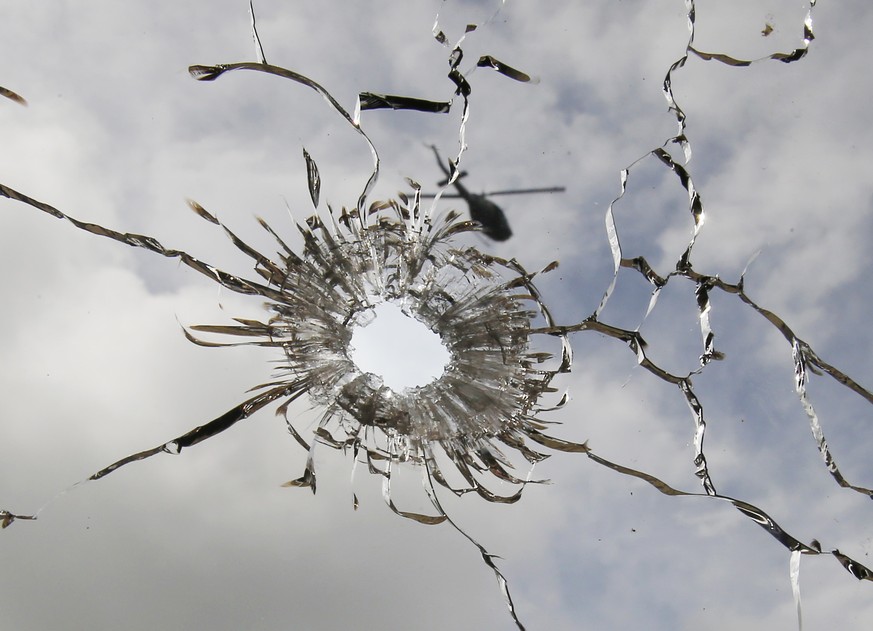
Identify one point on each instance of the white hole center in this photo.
(400, 349)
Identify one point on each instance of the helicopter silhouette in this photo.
(489, 215)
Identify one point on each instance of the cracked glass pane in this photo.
(699, 174)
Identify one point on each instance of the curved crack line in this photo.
(795, 55)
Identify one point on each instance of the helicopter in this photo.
(487, 213)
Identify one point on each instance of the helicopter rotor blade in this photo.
(527, 191)
(520, 191)
(445, 181)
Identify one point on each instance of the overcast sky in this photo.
(94, 365)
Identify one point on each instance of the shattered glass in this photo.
(727, 289)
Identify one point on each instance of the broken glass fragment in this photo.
(9, 94)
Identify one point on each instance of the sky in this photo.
(94, 365)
